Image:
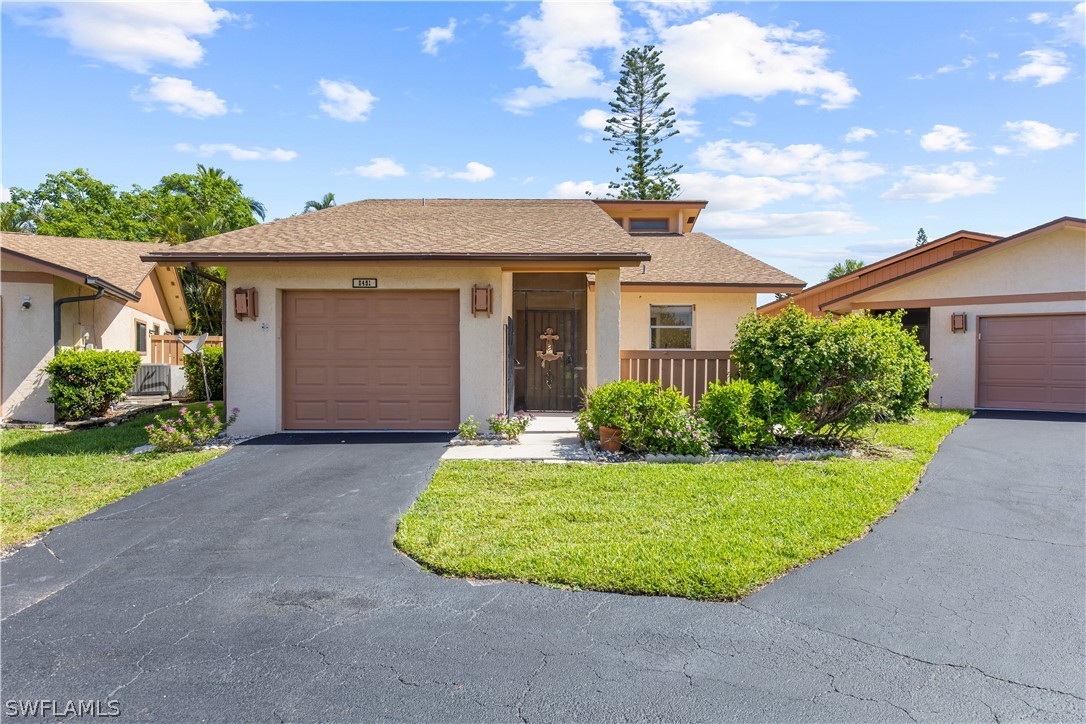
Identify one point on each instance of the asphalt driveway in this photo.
(263, 586)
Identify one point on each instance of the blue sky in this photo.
(815, 130)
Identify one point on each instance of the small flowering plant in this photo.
(510, 427)
(686, 435)
(469, 429)
(193, 426)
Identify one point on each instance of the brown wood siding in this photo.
(813, 301)
(1033, 362)
(691, 371)
(371, 360)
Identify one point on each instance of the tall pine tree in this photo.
(921, 237)
(639, 124)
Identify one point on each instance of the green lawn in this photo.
(700, 531)
(50, 478)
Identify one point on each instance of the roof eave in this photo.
(630, 258)
(79, 277)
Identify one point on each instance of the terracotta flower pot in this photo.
(610, 439)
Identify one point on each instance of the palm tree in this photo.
(842, 268)
(327, 202)
(17, 217)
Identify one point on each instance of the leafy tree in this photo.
(326, 202)
(74, 203)
(842, 268)
(181, 207)
(921, 237)
(639, 124)
(16, 217)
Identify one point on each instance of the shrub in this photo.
(584, 425)
(638, 409)
(837, 375)
(194, 376)
(84, 383)
(510, 427)
(469, 429)
(685, 434)
(743, 415)
(193, 426)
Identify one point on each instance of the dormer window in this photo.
(653, 225)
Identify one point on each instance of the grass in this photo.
(50, 478)
(714, 532)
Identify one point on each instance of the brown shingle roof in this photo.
(117, 263)
(698, 258)
(442, 228)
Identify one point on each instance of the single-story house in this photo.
(413, 314)
(87, 293)
(1003, 318)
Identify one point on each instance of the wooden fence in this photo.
(167, 350)
(689, 370)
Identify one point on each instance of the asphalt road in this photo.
(264, 587)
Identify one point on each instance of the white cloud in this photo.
(967, 62)
(859, 134)
(868, 251)
(434, 37)
(946, 138)
(593, 119)
(768, 226)
(945, 182)
(801, 161)
(1001, 150)
(180, 96)
(760, 61)
(746, 119)
(1071, 25)
(474, 172)
(380, 168)
(659, 13)
(744, 193)
(133, 35)
(579, 190)
(1048, 66)
(237, 153)
(1038, 136)
(557, 45)
(344, 101)
(688, 128)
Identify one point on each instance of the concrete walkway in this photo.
(551, 437)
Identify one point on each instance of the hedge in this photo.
(84, 383)
(194, 376)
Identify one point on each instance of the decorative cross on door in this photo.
(548, 355)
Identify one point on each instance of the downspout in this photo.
(197, 271)
(91, 282)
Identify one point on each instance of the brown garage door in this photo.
(1033, 363)
(371, 360)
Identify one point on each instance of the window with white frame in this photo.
(141, 337)
(671, 326)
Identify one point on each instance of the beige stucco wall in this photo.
(253, 347)
(954, 355)
(605, 309)
(715, 316)
(1052, 263)
(27, 348)
(105, 323)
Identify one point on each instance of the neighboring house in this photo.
(1003, 319)
(414, 314)
(87, 293)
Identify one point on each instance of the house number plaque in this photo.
(364, 283)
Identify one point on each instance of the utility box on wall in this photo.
(245, 303)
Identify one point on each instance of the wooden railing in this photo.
(689, 370)
(167, 350)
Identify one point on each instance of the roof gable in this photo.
(427, 228)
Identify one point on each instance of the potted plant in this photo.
(608, 406)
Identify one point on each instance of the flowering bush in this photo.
(510, 427)
(684, 434)
(193, 426)
(469, 429)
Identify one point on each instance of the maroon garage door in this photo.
(1032, 363)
